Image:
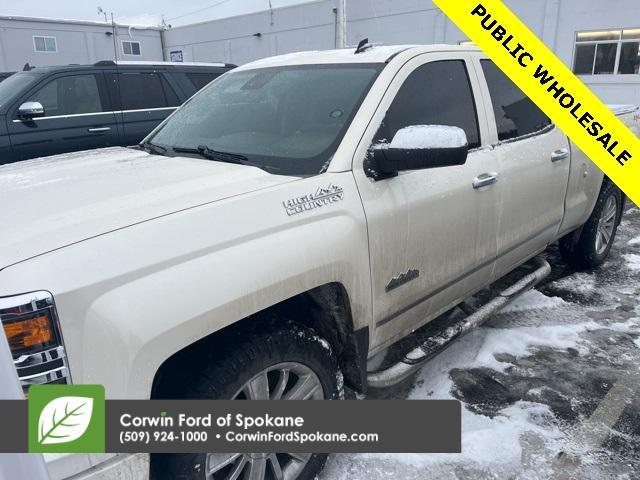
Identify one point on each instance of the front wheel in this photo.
(593, 245)
(285, 362)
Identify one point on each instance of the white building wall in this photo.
(77, 42)
(580, 15)
(245, 38)
(312, 26)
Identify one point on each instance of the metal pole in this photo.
(16, 465)
(115, 37)
(341, 24)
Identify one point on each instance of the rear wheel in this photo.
(591, 248)
(287, 363)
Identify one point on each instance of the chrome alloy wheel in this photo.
(606, 225)
(284, 381)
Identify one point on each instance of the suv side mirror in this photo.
(30, 110)
(418, 147)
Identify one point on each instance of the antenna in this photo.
(102, 12)
(363, 46)
(114, 36)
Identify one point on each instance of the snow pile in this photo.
(533, 300)
(633, 261)
(634, 241)
(485, 441)
(630, 326)
(429, 136)
(518, 342)
(579, 283)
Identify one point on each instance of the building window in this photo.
(45, 44)
(607, 52)
(131, 48)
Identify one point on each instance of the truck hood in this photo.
(49, 203)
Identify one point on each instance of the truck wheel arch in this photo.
(325, 309)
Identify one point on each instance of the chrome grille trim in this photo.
(39, 358)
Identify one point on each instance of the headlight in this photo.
(31, 325)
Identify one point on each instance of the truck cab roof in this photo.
(372, 54)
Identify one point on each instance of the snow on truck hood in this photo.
(53, 202)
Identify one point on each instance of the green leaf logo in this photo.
(64, 420)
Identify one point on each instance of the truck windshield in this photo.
(286, 120)
(15, 84)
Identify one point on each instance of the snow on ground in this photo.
(634, 241)
(528, 381)
(486, 442)
(579, 282)
(633, 261)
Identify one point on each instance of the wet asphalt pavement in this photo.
(550, 387)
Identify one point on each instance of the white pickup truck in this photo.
(293, 219)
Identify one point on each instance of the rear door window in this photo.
(142, 91)
(192, 82)
(70, 95)
(201, 80)
(172, 97)
(515, 114)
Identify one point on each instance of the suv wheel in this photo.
(596, 239)
(289, 362)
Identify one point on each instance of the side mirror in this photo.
(30, 110)
(418, 147)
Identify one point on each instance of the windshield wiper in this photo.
(211, 154)
(226, 157)
(153, 148)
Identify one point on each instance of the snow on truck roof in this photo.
(375, 54)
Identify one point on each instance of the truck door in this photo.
(77, 117)
(432, 234)
(533, 168)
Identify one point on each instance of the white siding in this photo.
(76, 42)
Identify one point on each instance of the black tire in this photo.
(239, 357)
(581, 249)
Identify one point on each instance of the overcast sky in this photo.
(176, 12)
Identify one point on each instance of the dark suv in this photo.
(51, 110)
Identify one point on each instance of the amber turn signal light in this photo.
(29, 333)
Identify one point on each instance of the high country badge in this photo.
(322, 197)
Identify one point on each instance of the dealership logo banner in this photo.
(78, 419)
(553, 87)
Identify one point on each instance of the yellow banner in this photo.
(553, 87)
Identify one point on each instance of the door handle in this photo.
(560, 155)
(485, 180)
(98, 129)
